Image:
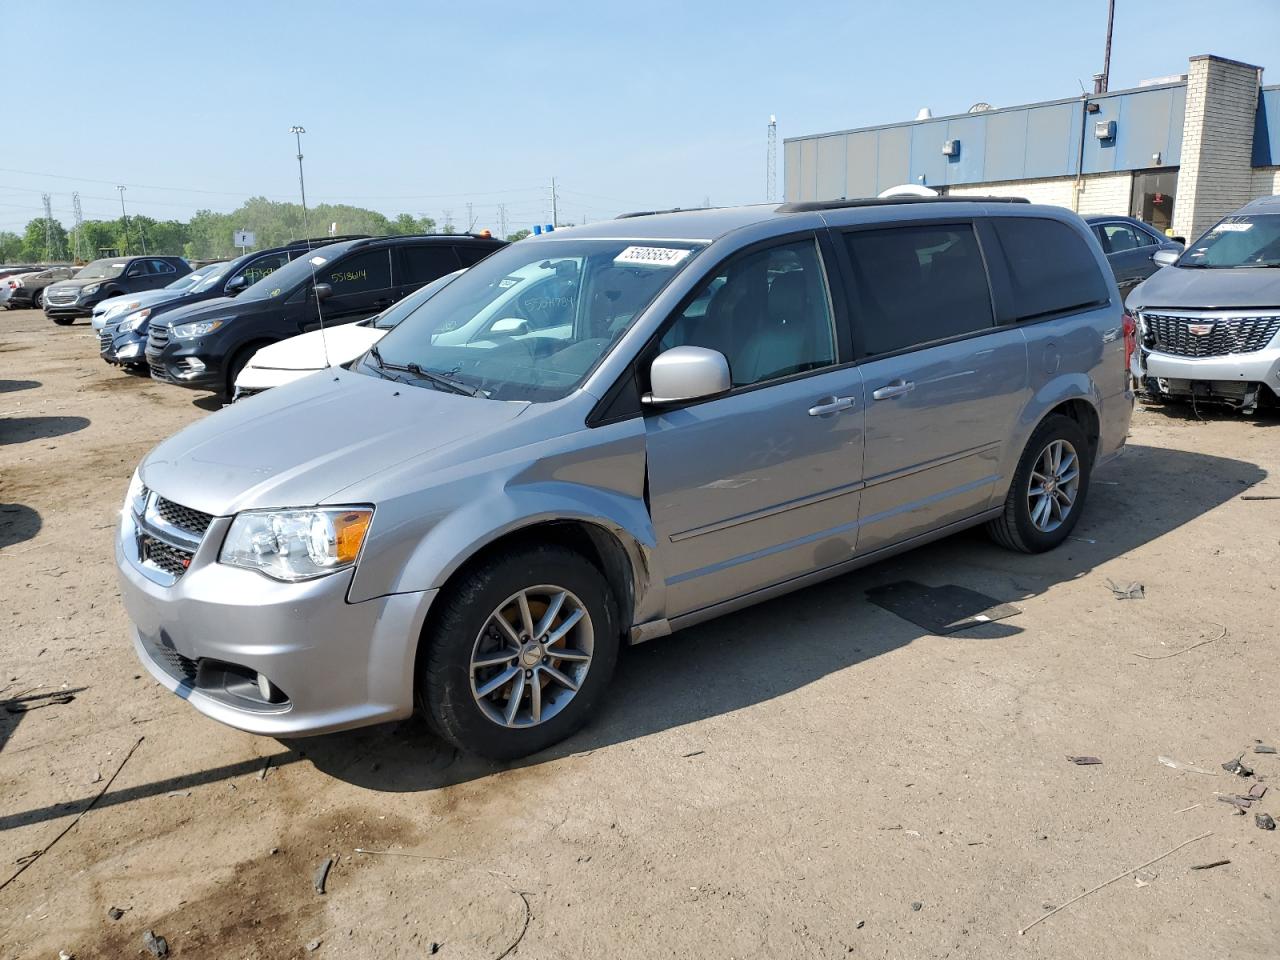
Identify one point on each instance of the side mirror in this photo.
(687, 373)
(323, 291)
(510, 326)
(1165, 258)
(236, 284)
(1181, 240)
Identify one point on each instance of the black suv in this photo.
(204, 346)
(112, 277)
(123, 338)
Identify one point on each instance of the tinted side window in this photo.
(1120, 237)
(160, 268)
(1050, 267)
(915, 285)
(367, 270)
(767, 312)
(255, 270)
(425, 262)
(472, 254)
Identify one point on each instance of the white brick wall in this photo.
(1100, 193)
(1216, 175)
(1266, 182)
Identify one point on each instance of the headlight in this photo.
(136, 498)
(294, 545)
(197, 328)
(91, 289)
(119, 308)
(134, 320)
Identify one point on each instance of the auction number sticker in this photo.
(1232, 227)
(319, 261)
(651, 256)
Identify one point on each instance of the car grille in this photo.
(157, 340)
(184, 518)
(104, 341)
(173, 663)
(173, 560)
(60, 298)
(1226, 335)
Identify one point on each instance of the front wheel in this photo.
(517, 658)
(63, 321)
(1048, 489)
(37, 302)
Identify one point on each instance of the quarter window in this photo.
(768, 312)
(917, 285)
(1050, 267)
(426, 262)
(160, 268)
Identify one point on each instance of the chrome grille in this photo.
(184, 518)
(1225, 336)
(171, 559)
(157, 340)
(61, 298)
(105, 337)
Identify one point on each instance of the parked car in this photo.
(1209, 324)
(289, 360)
(111, 277)
(1131, 246)
(717, 407)
(113, 306)
(124, 340)
(9, 284)
(121, 322)
(26, 290)
(205, 346)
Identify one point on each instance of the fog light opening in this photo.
(267, 689)
(190, 367)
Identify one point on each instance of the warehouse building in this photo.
(1178, 153)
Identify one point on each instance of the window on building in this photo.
(1050, 267)
(917, 285)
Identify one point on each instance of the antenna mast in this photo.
(771, 164)
(48, 226)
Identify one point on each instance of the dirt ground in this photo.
(814, 777)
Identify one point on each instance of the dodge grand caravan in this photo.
(699, 411)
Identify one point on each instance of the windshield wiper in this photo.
(438, 379)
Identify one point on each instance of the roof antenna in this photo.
(298, 130)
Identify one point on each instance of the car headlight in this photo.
(293, 545)
(197, 328)
(136, 498)
(91, 289)
(134, 320)
(120, 308)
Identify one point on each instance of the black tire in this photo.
(1014, 529)
(444, 660)
(63, 321)
(238, 362)
(37, 300)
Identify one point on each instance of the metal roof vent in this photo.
(980, 107)
(924, 114)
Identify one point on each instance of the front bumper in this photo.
(68, 309)
(205, 636)
(125, 349)
(257, 379)
(182, 362)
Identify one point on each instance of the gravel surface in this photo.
(813, 777)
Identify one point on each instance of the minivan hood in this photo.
(301, 443)
(318, 349)
(1208, 289)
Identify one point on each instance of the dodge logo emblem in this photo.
(1200, 329)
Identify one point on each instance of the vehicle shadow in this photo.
(23, 429)
(1214, 413)
(13, 386)
(771, 649)
(210, 402)
(18, 523)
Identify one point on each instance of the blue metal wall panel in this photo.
(1053, 140)
(971, 132)
(1146, 119)
(893, 157)
(1006, 154)
(830, 176)
(1100, 155)
(1266, 130)
(861, 155)
(926, 154)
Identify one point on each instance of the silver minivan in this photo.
(608, 433)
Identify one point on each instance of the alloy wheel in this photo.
(1053, 486)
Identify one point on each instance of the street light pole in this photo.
(298, 130)
(125, 218)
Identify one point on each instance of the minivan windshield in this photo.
(282, 282)
(530, 321)
(1240, 241)
(102, 270)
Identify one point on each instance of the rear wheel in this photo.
(37, 300)
(238, 362)
(517, 657)
(1048, 489)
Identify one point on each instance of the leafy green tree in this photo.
(518, 235)
(10, 246)
(36, 247)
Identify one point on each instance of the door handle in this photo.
(828, 405)
(895, 389)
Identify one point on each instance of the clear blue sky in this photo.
(420, 107)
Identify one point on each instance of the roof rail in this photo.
(318, 241)
(808, 205)
(652, 213)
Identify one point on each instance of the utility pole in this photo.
(448, 220)
(1104, 83)
(75, 206)
(48, 226)
(125, 218)
(298, 130)
(471, 220)
(555, 220)
(771, 163)
(502, 221)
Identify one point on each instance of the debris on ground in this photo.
(115, 913)
(1242, 803)
(940, 610)
(1257, 791)
(66, 955)
(1263, 748)
(1084, 761)
(1264, 821)
(262, 774)
(1143, 878)
(1238, 768)
(158, 946)
(1211, 865)
(860, 924)
(1189, 767)
(313, 946)
(1131, 591)
(1178, 653)
(322, 874)
(917, 905)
